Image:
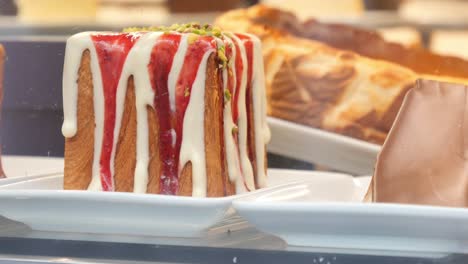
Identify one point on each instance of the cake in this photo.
(423, 160)
(337, 77)
(174, 110)
(2, 59)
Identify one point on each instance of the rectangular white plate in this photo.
(19, 168)
(306, 219)
(322, 147)
(42, 205)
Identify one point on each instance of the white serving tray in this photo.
(345, 222)
(322, 147)
(19, 168)
(43, 206)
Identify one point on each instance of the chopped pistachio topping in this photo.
(192, 27)
(227, 95)
(192, 38)
(196, 30)
(222, 56)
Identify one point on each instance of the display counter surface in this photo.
(239, 243)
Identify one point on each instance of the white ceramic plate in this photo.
(19, 168)
(42, 205)
(341, 221)
(321, 147)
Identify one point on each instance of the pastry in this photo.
(423, 160)
(174, 110)
(314, 84)
(364, 42)
(336, 77)
(339, 91)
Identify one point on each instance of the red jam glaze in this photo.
(112, 50)
(188, 73)
(248, 45)
(239, 67)
(160, 65)
(162, 57)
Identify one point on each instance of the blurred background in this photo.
(34, 33)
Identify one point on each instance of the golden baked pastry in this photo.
(313, 84)
(364, 42)
(340, 91)
(355, 89)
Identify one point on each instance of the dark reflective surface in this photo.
(32, 103)
(80, 251)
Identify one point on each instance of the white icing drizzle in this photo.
(193, 147)
(246, 165)
(193, 140)
(127, 71)
(261, 129)
(76, 45)
(177, 64)
(137, 65)
(232, 151)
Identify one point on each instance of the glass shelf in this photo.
(233, 241)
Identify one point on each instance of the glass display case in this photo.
(355, 109)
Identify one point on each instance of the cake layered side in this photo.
(164, 112)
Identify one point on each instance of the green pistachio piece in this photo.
(227, 95)
(192, 38)
(193, 27)
(174, 27)
(222, 56)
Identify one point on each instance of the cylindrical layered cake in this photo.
(178, 110)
